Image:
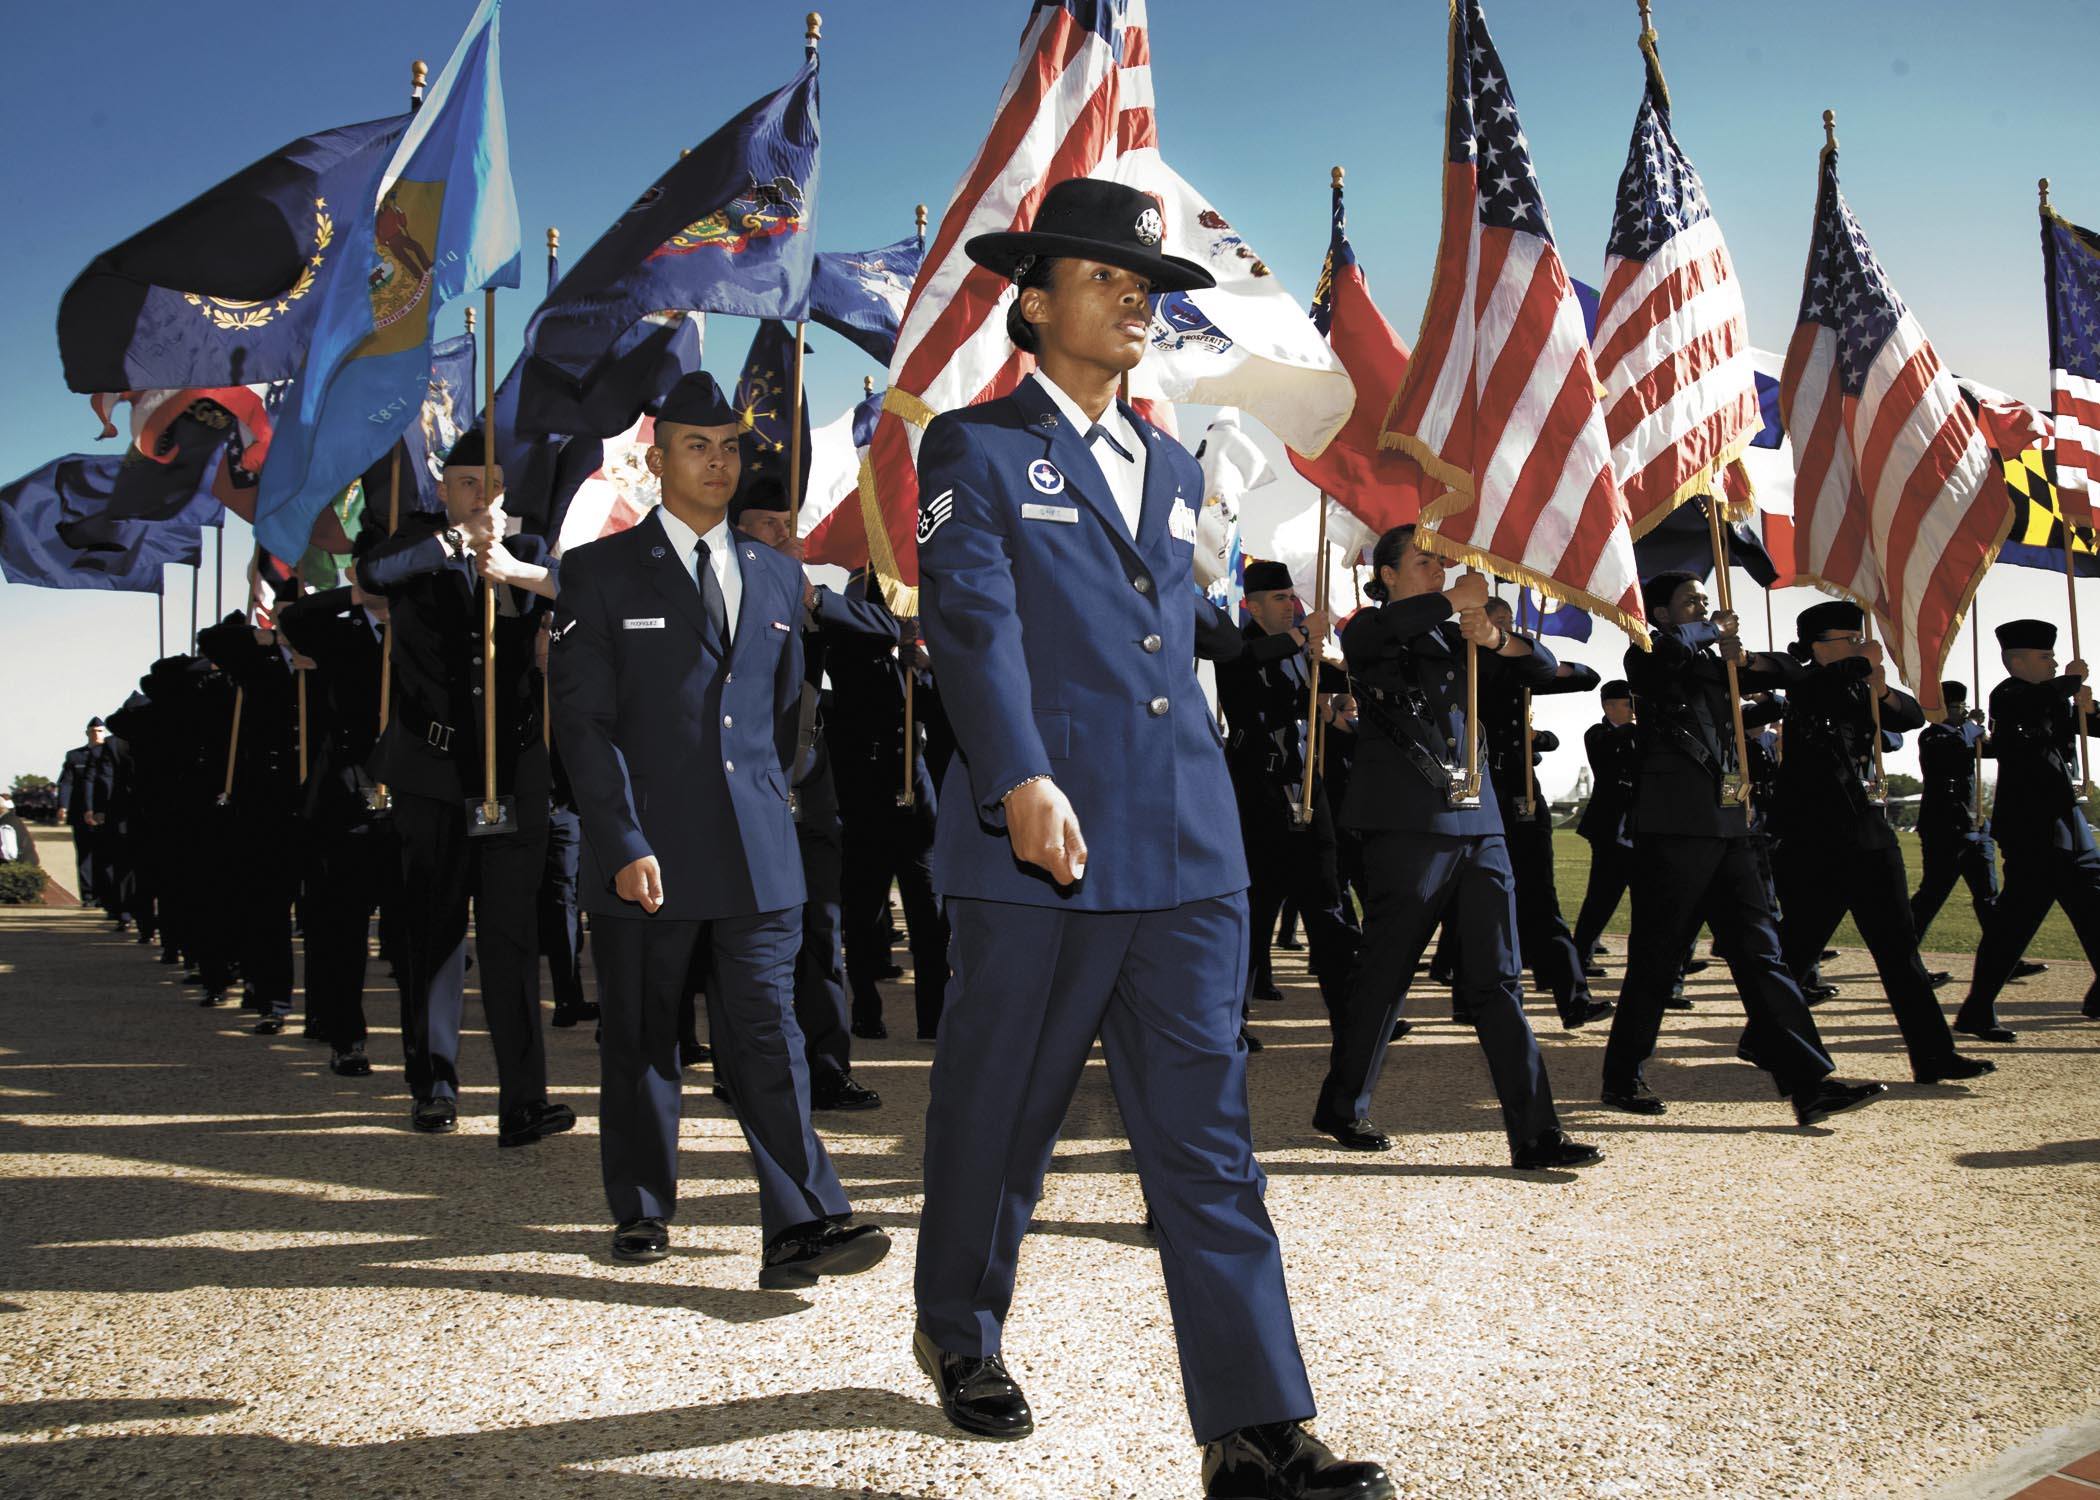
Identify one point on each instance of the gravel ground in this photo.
(225, 1271)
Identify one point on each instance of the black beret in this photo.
(469, 450)
(1831, 614)
(766, 492)
(1656, 592)
(1618, 687)
(1263, 576)
(2027, 635)
(696, 401)
(1953, 692)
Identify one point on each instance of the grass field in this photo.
(1955, 930)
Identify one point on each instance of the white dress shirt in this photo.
(1125, 476)
(721, 556)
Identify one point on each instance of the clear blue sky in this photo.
(1947, 113)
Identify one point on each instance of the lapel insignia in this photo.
(1046, 478)
(656, 552)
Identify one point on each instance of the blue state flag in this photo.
(448, 410)
(860, 295)
(727, 229)
(57, 532)
(1551, 617)
(225, 290)
(765, 400)
(439, 221)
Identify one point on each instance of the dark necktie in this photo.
(1101, 432)
(711, 594)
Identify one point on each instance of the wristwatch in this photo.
(455, 541)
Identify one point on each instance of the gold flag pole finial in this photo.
(1647, 21)
(1335, 177)
(553, 241)
(815, 32)
(470, 320)
(1830, 130)
(2042, 186)
(418, 78)
(918, 216)
(867, 386)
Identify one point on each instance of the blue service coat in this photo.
(672, 750)
(1016, 521)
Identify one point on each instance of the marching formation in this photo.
(574, 691)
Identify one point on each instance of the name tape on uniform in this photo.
(655, 624)
(1181, 521)
(1066, 513)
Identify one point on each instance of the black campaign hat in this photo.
(2027, 635)
(1087, 218)
(1831, 614)
(697, 401)
(1260, 577)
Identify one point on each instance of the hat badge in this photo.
(1150, 227)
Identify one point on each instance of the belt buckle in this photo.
(1462, 790)
(438, 736)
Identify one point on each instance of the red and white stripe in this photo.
(2077, 419)
(1500, 404)
(1673, 352)
(1893, 501)
(153, 411)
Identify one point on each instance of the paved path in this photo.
(225, 1272)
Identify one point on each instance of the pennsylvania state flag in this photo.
(440, 220)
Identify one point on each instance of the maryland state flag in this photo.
(2023, 449)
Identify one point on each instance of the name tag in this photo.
(1181, 522)
(780, 625)
(655, 624)
(1069, 514)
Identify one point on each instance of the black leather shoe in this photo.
(1826, 955)
(1816, 994)
(1953, 1068)
(1291, 944)
(1282, 1461)
(1265, 990)
(1696, 966)
(1461, 1016)
(2027, 968)
(1440, 976)
(641, 1241)
(692, 1054)
(269, 1025)
(721, 1092)
(532, 1122)
(1593, 971)
(2091, 1009)
(568, 1015)
(1592, 1010)
(1939, 977)
(1833, 1098)
(1638, 1100)
(1991, 1032)
(889, 971)
(351, 1064)
(1678, 1000)
(1554, 1150)
(1353, 1135)
(977, 1394)
(820, 1248)
(1744, 1054)
(843, 1092)
(170, 957)
(1400, 1029)
(435, 1116)
(870, 1028)
(1249, 1040)
(212, 999)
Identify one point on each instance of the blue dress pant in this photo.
(1033, 987)
(820, 975)
(2036, 878)
(560, 919)
(1949, 857)
(643, 965)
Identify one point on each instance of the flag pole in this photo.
(380, 799)
(1878, 792)
(814, 24)
(1975, 701)
(233, 745)
(218, 581)
(1771, 640)
(196, 583)
(1527, 804)
(160, 619)
(491, 808)
(546, 672)
(2085, 749)
(1313, 736)
(299, 687)
(1735, 790)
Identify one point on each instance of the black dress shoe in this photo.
(889, 971)
(170, 957)
(1249, 1040)
(434, 1116)
(1400, 1029)
(1593, 971)
(976, 1393)
(641, 1241)
(928, 1036)
(1830, 1097)
(1282, 1461)
(843, 1092)
(568, 1015)
(1354, 1135)
(1265, 989)
(1440, 976)
(269, 1025)
(1291, 944)
(1990, 1032)
(1461, 1016)
(1816, 994)
(1696, 966)
(2027, 968)
(1953, 1068)
(350, 1064)
(1826, 955)
(1939, 977)
(870, 1028)
(1678, 1000)
(1592, 1010)
(1637, 1100)
(213, 998)
(1744, 1054)
(692, 1054)
(2091, 1009)
(1554, 1150)
(532, 1122)
(721, 1092)
(820, 1248)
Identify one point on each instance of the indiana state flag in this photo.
(440, 221)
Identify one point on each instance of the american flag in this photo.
(1894, 501)
(2071, 268)
(1058, 117)
(1673, 340)
(1500, 399)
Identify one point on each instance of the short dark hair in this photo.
(1033, 272)
(1387, 554)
